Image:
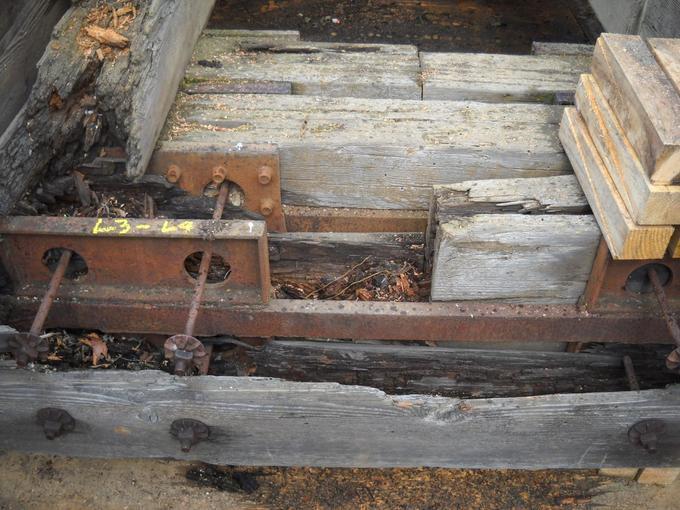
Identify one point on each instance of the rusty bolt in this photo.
(646, 433)
(55, 422)
(264, 175)
(219, 174)
(266, 206)
(189, 432)
(187, 352)
(173, 174)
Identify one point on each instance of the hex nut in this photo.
(264, 175)
(173, 173)
(266, 206)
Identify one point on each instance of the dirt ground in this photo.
(43, 481)
(492, 26)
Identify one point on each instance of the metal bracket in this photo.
(623, 285)
(137, 260)
(255, 168)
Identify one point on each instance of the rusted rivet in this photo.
(173, 174)
(189, 432)
(264, 175)
(266, 206)
(55, 422)
(219, 174)
(187, 352)
(646, 433)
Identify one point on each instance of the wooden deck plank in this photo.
(320, 69)
(647, 203)
(667, 54)
(268, 422)
(551, 48)
(375, 154)
(499, 78)
(626, 239)
(514, 258)
(644, 101)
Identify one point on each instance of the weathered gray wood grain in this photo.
(21, 45)
(644, 101)
(269, 422)
(375, 154)
(551, 48)
(514, 258)
(499, 78)
(319, 69)
(451, 372)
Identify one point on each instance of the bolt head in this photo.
(219, 174)
(173, 173)
(266, 206)
(264, 175)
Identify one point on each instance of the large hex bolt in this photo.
(187, 352)
(55, 422)
(264, 175)
(189, 432)
(646, 433)
(219, 174)
(266, 206)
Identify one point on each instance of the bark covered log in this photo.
(92, 92)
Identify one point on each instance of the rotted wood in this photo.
(254, 421)
(22, 43)
(451, 372)
(92, 91)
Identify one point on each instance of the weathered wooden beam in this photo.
(500, 78)
(22, 43)
(514, 258)
(644, 101)
(269, 422)
(374, 154)
(94, 89)
(626, 239)
(551, 48)
(667, 54)
(312, 68)
(452, 372)
(647, 203)
(345, 219)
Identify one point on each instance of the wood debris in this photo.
(107, 36)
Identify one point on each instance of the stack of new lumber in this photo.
(623, 140)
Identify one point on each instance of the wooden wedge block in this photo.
(499, 78)
(667, 53)
(514, 258)
(674, 246)
(644, 101)
(647, 203)
(625, 239)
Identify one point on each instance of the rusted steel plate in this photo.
(255, 168)
(622, 284)
(136, 260)
(433, 322)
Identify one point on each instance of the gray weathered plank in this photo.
(451, 372)
(626, 239)
(561, 194)
(21, 45)
(514, 258)
(376, 154)
(667, 54)
(269, 422)
(320, 69)
(644, 101)
(499, 78)
(551, 48)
